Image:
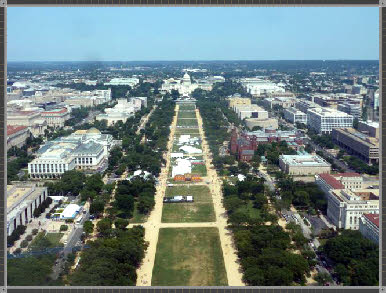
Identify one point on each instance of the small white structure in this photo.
(183, 167)
(190, 150)
(189, 198)
(183, 139)
(241, 177)
(57, 198)
(70, 211)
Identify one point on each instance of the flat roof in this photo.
(304, 160)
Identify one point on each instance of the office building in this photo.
(353, 109)
(132, 81)
(304, 105)
(17, 135)
(22, 200)
(284, 102)
(345, 207)
(294, 116)
(32, 119)
(369, 227)
(56, 117)
(358, 144)
(370, 128)
(323, 120)
(303, 164)
(328, 182)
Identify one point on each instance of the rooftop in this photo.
(373, 218)
(328, 112)
(330, 180)
(12, 129)
(55, 111)
(304, 160)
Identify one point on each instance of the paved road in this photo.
(74, 241)
(337, 162)
(89, 118)
(268, 180)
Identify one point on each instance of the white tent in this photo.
(183, 166)
(185, 138)
(190, 150)
(70, 211)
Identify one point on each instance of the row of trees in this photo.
(136, 190)
(111, 260)
(359, 166)
(246, 203)
(264, 250)
(303, 195)
(356, 258)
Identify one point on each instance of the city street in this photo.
(336, 161)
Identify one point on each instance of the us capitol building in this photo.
(185, 86)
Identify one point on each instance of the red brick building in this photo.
(244, 144)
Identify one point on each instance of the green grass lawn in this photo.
(201, 210)
(199, 169)
(189, 257)
(186, 114)
(187, 107)
(54, 238)
(253, 213)
(137, 216)
(45, 240)
(187, 131)
(187, 122)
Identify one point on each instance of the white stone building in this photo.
(87, 151)
(345, 207)
(369, 227)
(323, 120)
(17, 135)
(294, 116)
(22, 200)
(132, 81)
(32, 119)
(56, 117)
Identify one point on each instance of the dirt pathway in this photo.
(231, 261)
(152, 225)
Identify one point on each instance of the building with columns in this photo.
(17, 135)
(22, 200)
(56, 117)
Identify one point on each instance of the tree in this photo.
(322, 278)
(97, 207)
(104, 227)
(72, 181)
(121, 224)
(88, 227)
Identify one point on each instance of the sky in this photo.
(194, 33)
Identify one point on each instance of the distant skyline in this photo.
(192, 34)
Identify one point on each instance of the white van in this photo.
(79, 220)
